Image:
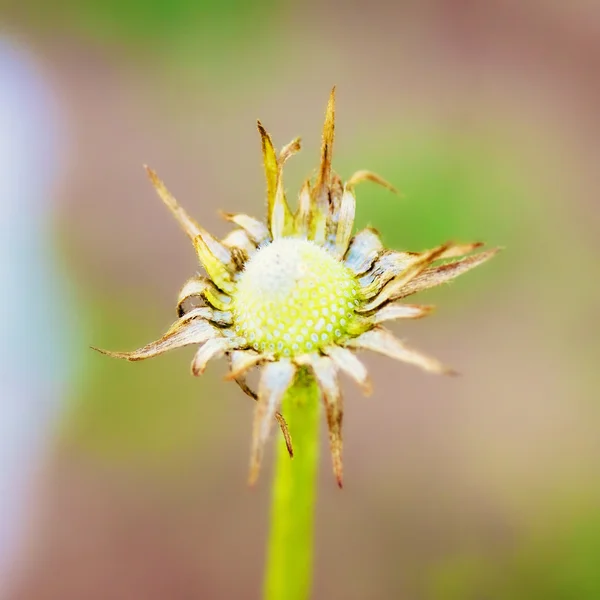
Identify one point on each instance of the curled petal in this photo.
(238, 240)
(415, 268)
(325, 373)
(212, 349)
(289, 150)
(200, 287)
(363, 175)
(184, 332)
(401, 311)
(257, 231)
(382, 341)
(443, 273)
(364, 249)
(389, 264)
(188, 224)
(240, 361)
(275, 379)
(348, 362)
(218, 271)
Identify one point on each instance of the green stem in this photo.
(290, 552)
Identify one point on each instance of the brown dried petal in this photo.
(364, 248)
(325, 373)
(183, 332)
(443, 273)
(382, 341)
(348, 362)
(275, 379)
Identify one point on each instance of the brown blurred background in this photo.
(486, 115)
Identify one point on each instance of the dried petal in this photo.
(275, 379)
(363, 250)
(271, 165)
(183, 332)
(241, 381)
(382, 341)
(288, 151)
(345, 222)
(415, 268)
(188, 224)
(219, 272)
(303, 215)
(212, 349)
(364, 175)
(323, 178)
(278, 212)
(239, 239)
(257, 231)
(326, 375)
(347, 361)
(443, 273)
(401, 311)
(391, 263)
(280, 215)
(200, 287)
(241, 361)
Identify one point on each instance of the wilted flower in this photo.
(300, 293)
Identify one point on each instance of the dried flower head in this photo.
(301, 293)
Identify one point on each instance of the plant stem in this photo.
(290, 553)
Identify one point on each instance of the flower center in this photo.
(293, 297)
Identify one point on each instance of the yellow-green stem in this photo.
(290, 553)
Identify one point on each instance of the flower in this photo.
(300, 293)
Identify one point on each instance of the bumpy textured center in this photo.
(294, 297)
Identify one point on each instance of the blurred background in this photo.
(127, 481)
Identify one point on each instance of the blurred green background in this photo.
(486, 116)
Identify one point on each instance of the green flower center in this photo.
(293, 297)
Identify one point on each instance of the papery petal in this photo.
(345, 223)
(382, 341)
(183, 332)
(271, 165)
(325, 373)
(336, 192)
(303, 214)
(363, 250)
(188, 224)
(241, 381)
(364, 175)
(238, 240)
(280, 218)
(257, 231)
(275, 379)
(391, 312)
(212, 349)
(240, 361)
(443, 273)
(219, 272)
(289, 150)
(201, 287)
(414, 268)
(321, 190)
(391, 263)
(348, 362)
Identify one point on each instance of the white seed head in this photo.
(285, 291)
